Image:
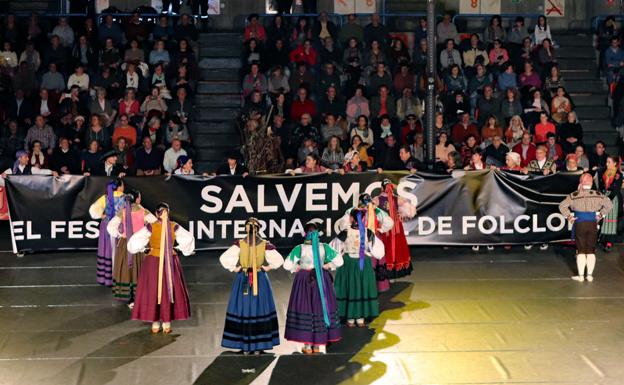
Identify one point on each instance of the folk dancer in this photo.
(397, 257)
(312, 319)
(105, 208)
(251, 320)
(132, 218)
(356, 287)
(584, 208)
(161, 294)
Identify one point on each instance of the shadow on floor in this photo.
(98, 367)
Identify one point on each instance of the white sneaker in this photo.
(544, 246)
(490, 248)
(578, 278)
(475, 248)
(590, 278)
(528, 247)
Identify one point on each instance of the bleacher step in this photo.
(223, 100)
(597, 126)
(211, 139)
(574, 40)
(206, 114)
(210, 51)
(592, 112)
(576, 63)
(580, 74)
(588, 99)
(218, 87)
(214, 63)
(222, 39)
(575, 52)
(222, 74)
(586, 86)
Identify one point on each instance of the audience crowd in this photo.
(320, 97)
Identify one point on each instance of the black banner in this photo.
(468, 208)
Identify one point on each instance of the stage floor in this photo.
(461, 318)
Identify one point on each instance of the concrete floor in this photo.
(461, 318)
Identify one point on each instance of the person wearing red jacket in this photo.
(526, 149)
(302, 105)
(304, 53)
(463, 129)
(255, 29)
(543, 128)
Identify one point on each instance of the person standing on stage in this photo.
(251, 319)
(161, 294)
(397, 259)
(130, 219)
(610, 184)
(356, 287)
(584, 208)
(105, 208)
(379, 222)
(312, 318)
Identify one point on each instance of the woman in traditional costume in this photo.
(161, 294)
(356, 287)
(312, 319)
(379, 222)
(130, 219)
(105, 208)
(397, 258)
(251, 319)
(610, 184)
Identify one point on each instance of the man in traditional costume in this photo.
(397, 258)
(130, 219)
(105, 208)
(312, 319)
(161, 294)
(584, 208)
(251, 319)
(356, 287)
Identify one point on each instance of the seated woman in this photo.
(159, 54)
(561, 106)
(37, 158)
(581, 159)
(333, 157)
(312, 165)
(512, 162)
(125, 130)
(514, 132)
(453, 162)
(353, 163)
(154, 104)
(476, 161)
(443, 148)
(469, 146)
(534, 107)
(570, 133)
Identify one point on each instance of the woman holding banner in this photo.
(161, 292)
(129, 220)
(105, 208)
(251, 319)
(584, 208)
(312, 318)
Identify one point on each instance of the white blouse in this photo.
(229, 259)
(351, 245)
(139, 240)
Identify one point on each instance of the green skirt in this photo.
(608, 229)
(356, 290)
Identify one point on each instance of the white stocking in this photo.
(581, 261)
(591, 263)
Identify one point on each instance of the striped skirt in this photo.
(251, 320)
(356, 290)
(608, 229)
(104, 265)
(125, 278)
(304, 320)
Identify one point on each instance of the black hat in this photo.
(364, 199)
(108, 154)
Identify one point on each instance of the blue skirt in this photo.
(251, 321)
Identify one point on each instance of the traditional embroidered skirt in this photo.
(105, 256)
(251, 321)
(304, 320)
(125, 278)
(356, 290)
(146, 306)
(399, 262)
(608, 229)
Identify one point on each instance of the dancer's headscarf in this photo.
(313, 237)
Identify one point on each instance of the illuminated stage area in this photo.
(460, 318)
